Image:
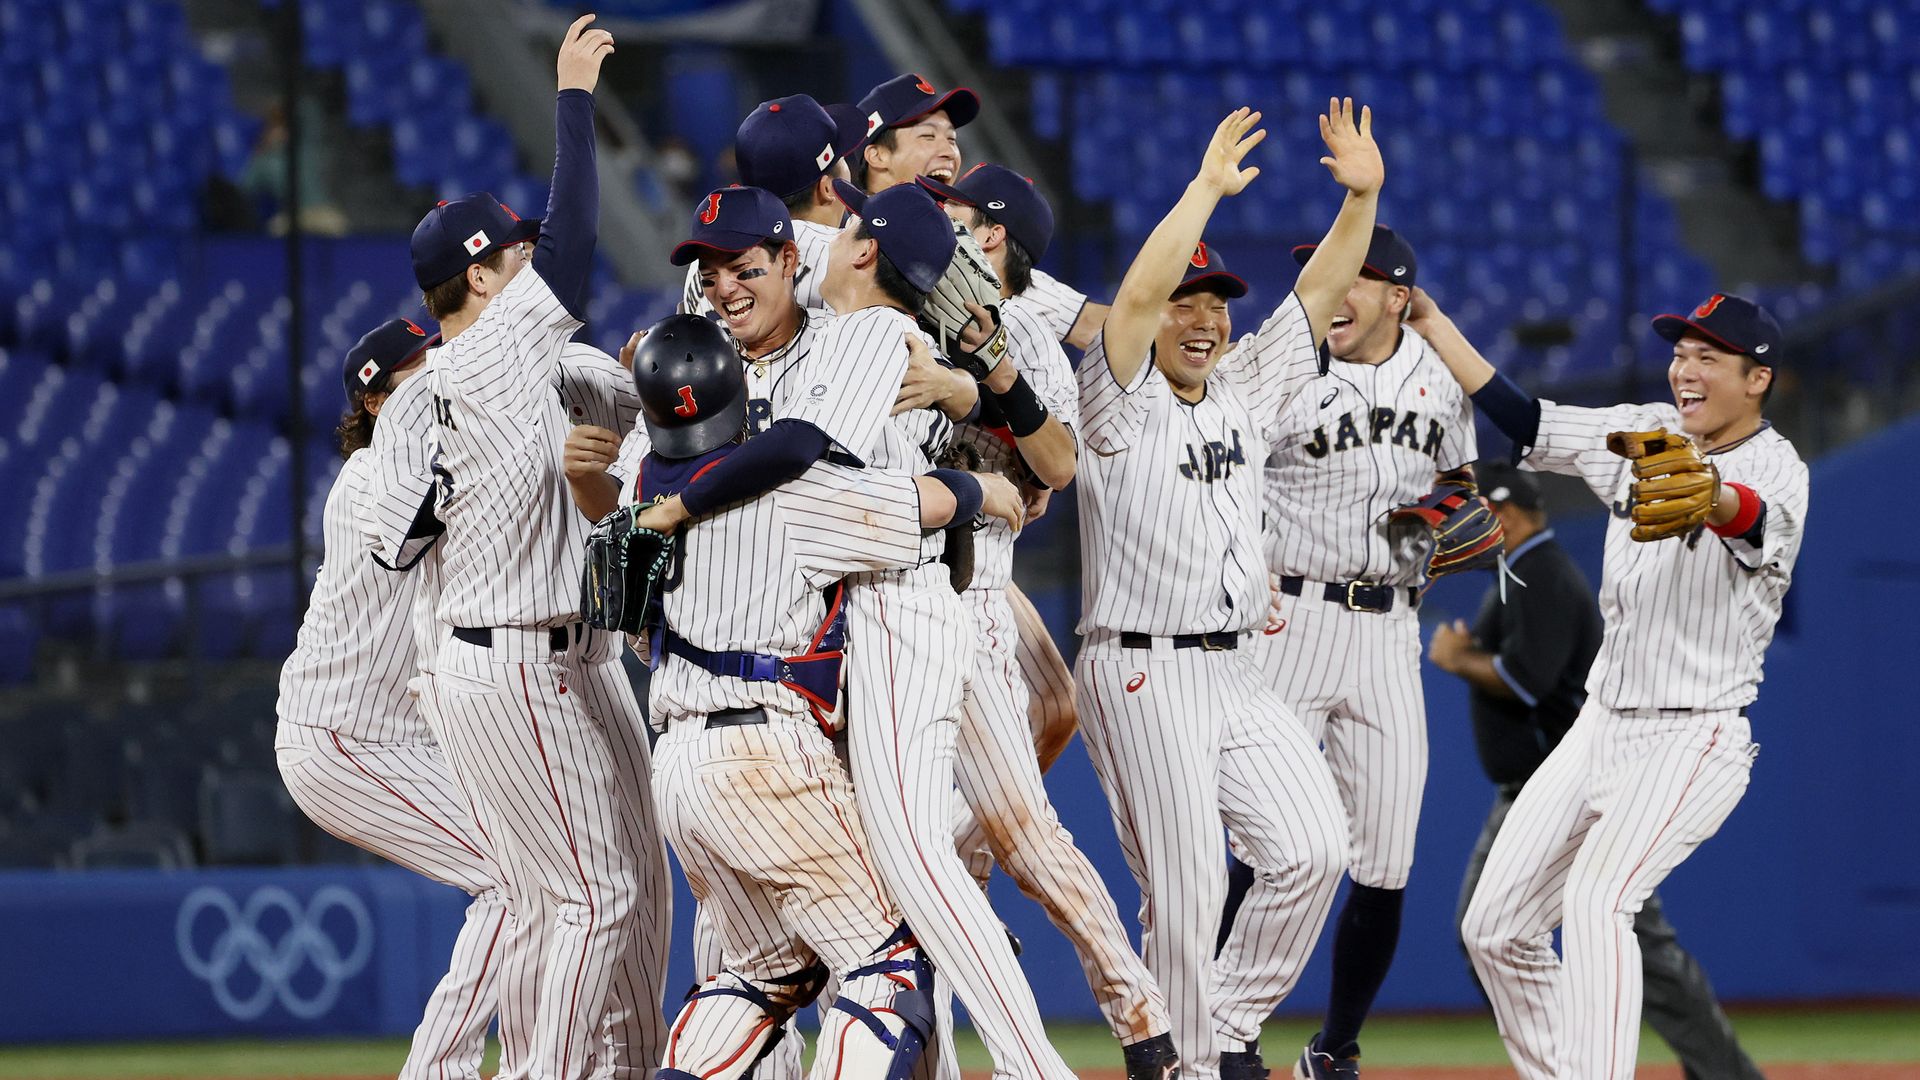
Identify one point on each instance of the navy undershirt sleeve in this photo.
(1514, 411)
(563, 256)
(785, 450)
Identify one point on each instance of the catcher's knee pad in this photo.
(730, 1022)
(884, 1017)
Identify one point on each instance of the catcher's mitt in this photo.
(625, 568)
(1674, 486)
(969, 279)
(1466, 534)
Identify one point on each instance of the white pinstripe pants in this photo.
(550, 749)
(999, 778)
(1618, 804)
(1353, 679)
(1186, 740)
(908, 658)
(399, 801)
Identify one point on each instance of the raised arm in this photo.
(1354, 160)
(1135, 316)
(563, 256)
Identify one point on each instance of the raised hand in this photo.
(1354, 158)
(632, 346)
(581, 52)
(1232, 140)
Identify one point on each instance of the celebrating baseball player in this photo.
(754, 798)
(1709, 504)
(1180, 727)
(1379, 451)
(352, 744)
(538, 718)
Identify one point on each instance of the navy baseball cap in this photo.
(386, 347)
(454, 235)
(1729, 322)
(1389, 257)
(1503, 484)
(1006, 197)
(904, 99)
(913, 232)
(788, 144)
(732, 220)
(1207, 270)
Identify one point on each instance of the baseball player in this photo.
(353, 746)
(755, 800)
(1181, 729)
(1526, 660)
(537, 716)
(1026, 432)
(1342, 642)
(794, 148)
(909, 637)
(1709, 503)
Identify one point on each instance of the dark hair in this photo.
(887, 139)
(1019, 273)
(801, 201)
(888, 277)
(356, 426)
(450, 295)
(1767, 394)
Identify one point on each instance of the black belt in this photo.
(736, 718)
(1215, 642)
(560, 637)
(1354, 595)
(1682, 709)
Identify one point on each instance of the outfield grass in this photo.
(1878, 1034)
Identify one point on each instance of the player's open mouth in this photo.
(942, 173)
(1198, 351)
(1690, 401)
(737, 310)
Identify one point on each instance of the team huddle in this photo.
(836, 445)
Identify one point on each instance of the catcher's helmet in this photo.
(692, 384)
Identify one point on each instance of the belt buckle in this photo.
(1354, 604)
(1207, 644)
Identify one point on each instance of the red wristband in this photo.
(1743, 519)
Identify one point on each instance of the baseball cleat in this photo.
(1152, 1059)
(1317, 1064)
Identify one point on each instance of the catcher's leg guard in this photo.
(884, 1017)
(730, 1022)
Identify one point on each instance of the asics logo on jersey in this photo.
(1328, 400)
(1212, 460)
(1380, 422)
(1139, 680)
(280, 943)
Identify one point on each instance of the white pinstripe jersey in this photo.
(751, 577)
(355, 649)
(1032, 348)
(1687, 621)
(846, 387)
(1059, 303)
(1170, 492)
(815, 242)
(1369, 438)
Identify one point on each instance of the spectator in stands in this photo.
(265, 177)
(1525, 662)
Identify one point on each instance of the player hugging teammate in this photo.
(831, 453)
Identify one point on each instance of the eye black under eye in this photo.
(751, 273)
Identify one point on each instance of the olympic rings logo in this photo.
(242, 943)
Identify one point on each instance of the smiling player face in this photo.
(752, 290)
(928, 147)
(1367, 326)
(1194, 330)
(1715, 390)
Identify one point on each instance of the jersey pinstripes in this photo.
(815, 242)
(1032, 349)
(1155, 459)
(1687, 621)
(1369, 438)
(1058, 303)
(355, 649)
(753, 575)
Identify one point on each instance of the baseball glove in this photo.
(626, 565)
(1673, 485)
(959, 552)
(1466, 534)
(969, 279)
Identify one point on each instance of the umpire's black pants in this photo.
(1678, 1001)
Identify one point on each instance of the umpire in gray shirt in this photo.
(1525, 661)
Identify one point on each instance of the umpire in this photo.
(1525, 662)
